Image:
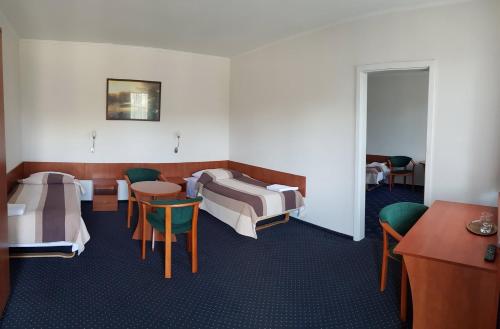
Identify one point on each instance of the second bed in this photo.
(241, 201)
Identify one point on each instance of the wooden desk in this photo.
(150, 190)
(451, 284)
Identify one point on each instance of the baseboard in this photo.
(342, 235)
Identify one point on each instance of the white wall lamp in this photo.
(94, 135)
(176, 149)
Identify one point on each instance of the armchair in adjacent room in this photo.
(399, 166)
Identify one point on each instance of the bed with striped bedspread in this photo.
(241, 201)
(53, 213)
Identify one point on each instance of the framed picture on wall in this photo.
(133, 100)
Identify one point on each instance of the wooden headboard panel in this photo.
(271, 176)
(117, 170)
(76, 169)
(183, 169)
(376, 158)
(13, 176)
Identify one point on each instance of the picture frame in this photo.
(136, 100)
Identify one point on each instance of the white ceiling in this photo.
(217, 27)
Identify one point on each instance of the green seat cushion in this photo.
(402, 216)
(142, 174)
(399, 161)
(181, 217)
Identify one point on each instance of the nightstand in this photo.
(105, 195)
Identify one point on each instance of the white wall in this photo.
(397, 116)
(12, 111)
(293, 103)
(64, 99)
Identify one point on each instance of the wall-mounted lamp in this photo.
(94, 135)
(176, 149)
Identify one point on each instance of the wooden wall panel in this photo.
(185, 169)
(14, 175)
(111, 170)
(76, 169)
(376, 158)
(271, 176)
(117, 170)
(182, 169)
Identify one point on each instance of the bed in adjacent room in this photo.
(52, 213)
(241, 201)
(376, 172)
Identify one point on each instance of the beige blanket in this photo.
(52, 215)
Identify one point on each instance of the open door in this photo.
(4, 249)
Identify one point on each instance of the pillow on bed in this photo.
(218, 173)
(48, 177)
(199, 173)
(223, 173)
(212, 175)
(51, 172)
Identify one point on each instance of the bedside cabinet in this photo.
(105, 195)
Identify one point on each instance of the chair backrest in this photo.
(142, 174)
(182, 211)
(402, 216)
(399, 161)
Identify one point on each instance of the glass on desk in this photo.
(486, 221)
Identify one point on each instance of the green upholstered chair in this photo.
(399, 166)
(397, 219)
(173, 217)
(134, 175)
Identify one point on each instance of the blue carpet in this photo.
(381, 197)
(293, 276)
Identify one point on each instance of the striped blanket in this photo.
(241, 201)
(52, 213)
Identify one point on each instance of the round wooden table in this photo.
(146, 191)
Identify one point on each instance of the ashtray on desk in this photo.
(475, 227)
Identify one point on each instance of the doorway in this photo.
(393, 128)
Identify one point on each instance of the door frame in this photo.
(361, 118)
(4, 250)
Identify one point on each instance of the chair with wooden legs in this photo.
(397, 219)
(138, 175)
(173, 217)
(399, 167)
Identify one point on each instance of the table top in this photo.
(440, 234)
(155, 188)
